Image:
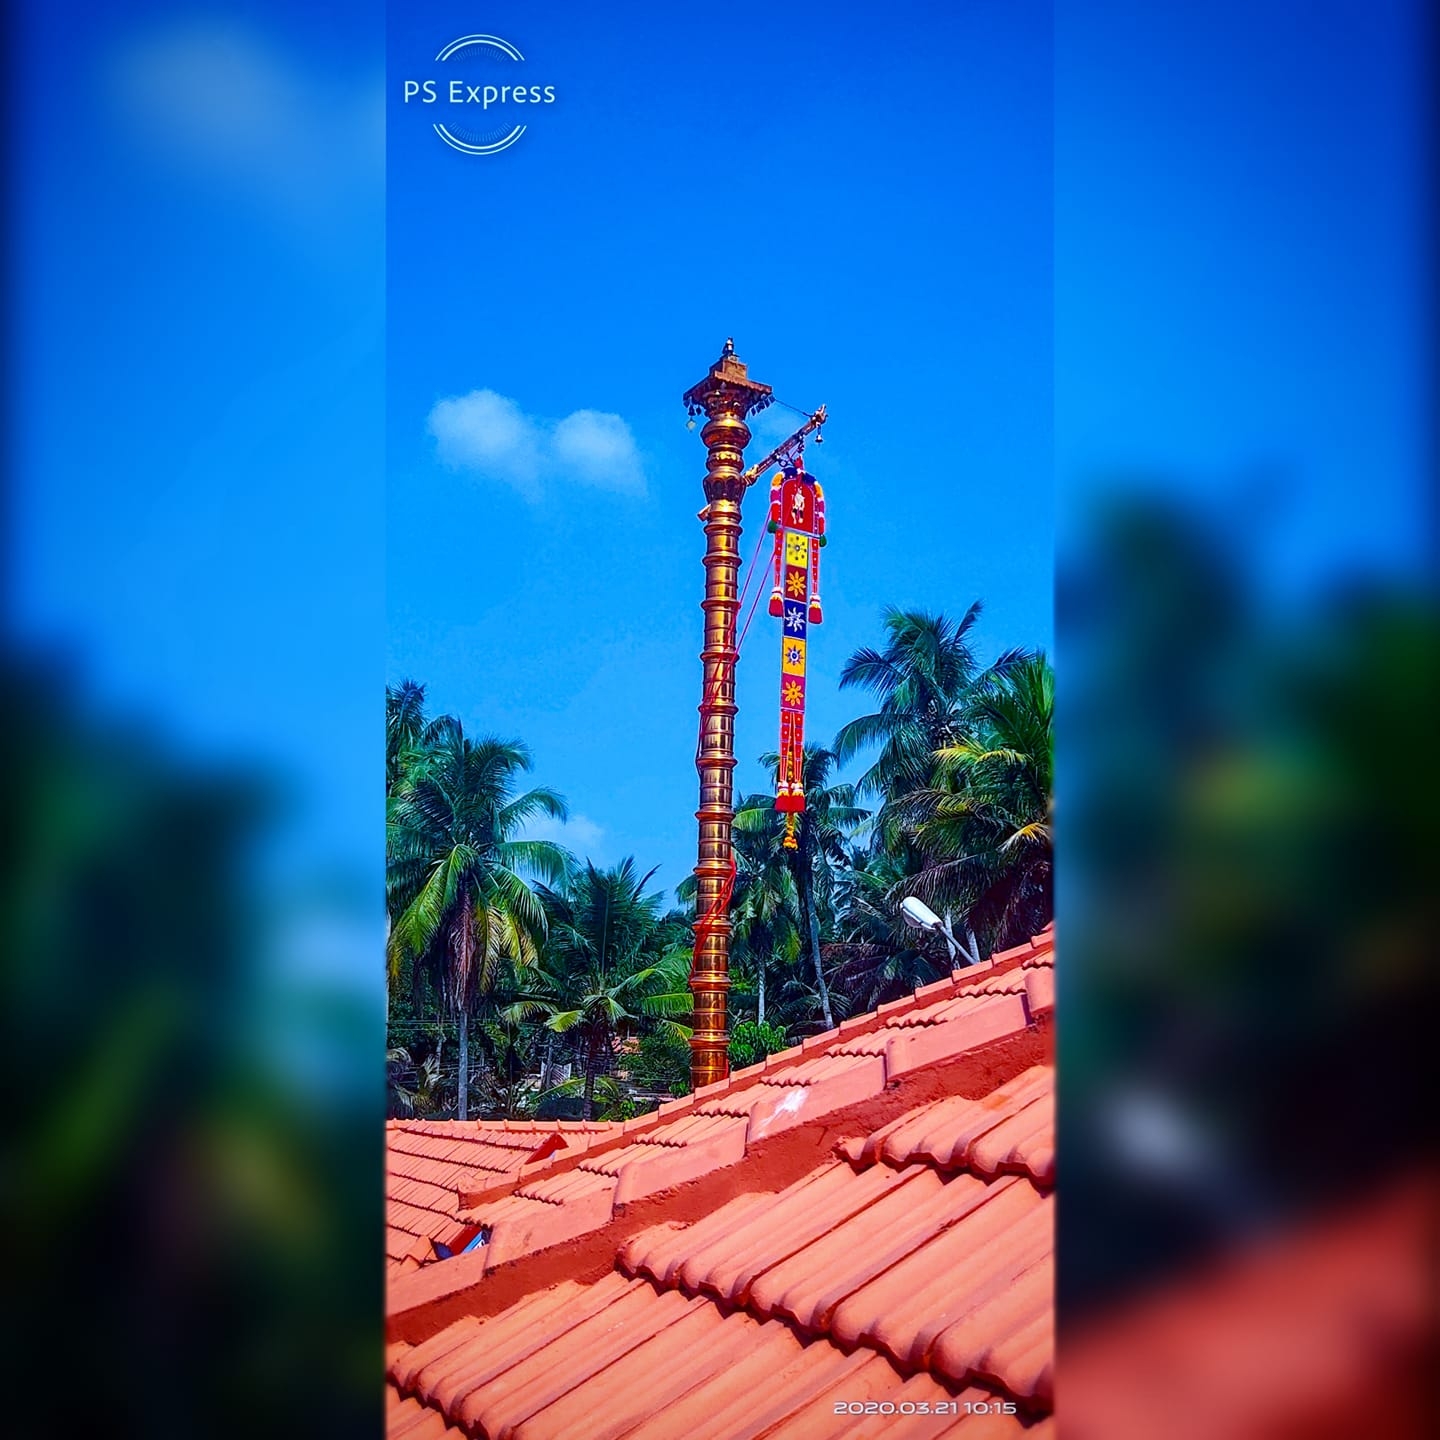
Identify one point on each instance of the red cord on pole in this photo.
(708, 921)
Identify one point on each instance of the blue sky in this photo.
(1181, 243)
(867, 211)
(196, 317)
(1243, 276)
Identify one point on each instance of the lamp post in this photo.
(922, 917)
(726, 396)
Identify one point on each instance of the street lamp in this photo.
(922, 917)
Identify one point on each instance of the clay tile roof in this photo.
(517, 1182)
(868, 1221)
(915, 1269)
(430, 1164)
(410, 1420)
(1322, 1328)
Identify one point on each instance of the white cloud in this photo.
(579, 834)
(598, 449)
(491, 436)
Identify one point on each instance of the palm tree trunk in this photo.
(760, 970)
(466, 941)
(592, 1060)
(807, 896)
(387, 982)
(464, 1065)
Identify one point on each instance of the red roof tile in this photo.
(896, 1275)
(430, 1164)
(911, 1268)
(815, 1253)
(499, 1184)
(1326, 1329)
(1010, 1128)
(409, 1420)
(651, 1367)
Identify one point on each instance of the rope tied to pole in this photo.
(711, 918)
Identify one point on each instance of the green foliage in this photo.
(561, 1106)
(573, 964)
(830, 816)
(662, 1059)
(751, 1042)
(982, 823)
(458, 897)
(963, 772)
(612, 965)
(457, 870)
(765, 917)
(414, 1087)
(578, 1099)
(921, 675)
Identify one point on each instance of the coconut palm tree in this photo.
(830, 817)
(984, 825)
(611, 959)
(765, 911)
(404, 728)
(922, 677)
(458, 871)
(879, 957)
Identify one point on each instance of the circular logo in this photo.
(485, 109)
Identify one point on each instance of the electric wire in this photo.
(808, 414)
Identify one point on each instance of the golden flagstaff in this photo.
(726, 397)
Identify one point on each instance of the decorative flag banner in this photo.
(797, 520)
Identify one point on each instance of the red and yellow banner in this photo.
(797, 520)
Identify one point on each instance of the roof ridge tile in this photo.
(942, 1132)
(920, 1047)
(890, 1007)
(935, 988)
(1016, 952)
(783, 1057)
(857, 1025)
(962, 972)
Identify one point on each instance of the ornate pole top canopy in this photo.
(728, 381)
(726, 396)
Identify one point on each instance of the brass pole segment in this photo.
(726, 396)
